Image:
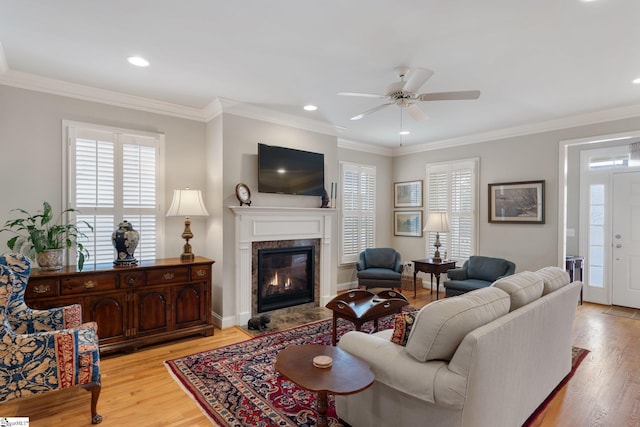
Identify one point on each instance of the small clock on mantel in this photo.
(243, 194)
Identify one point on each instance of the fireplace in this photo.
(286, 277)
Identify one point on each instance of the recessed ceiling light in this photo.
(138, 61)
(404, 132)
(636, 81)
(310, 107)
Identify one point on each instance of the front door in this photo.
(626, 239)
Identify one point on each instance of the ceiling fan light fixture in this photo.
(138, 61)
(310, 107)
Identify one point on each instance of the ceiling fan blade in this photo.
(417, 78)
(366, 95)
(372, 110)
(417, 114)
(448, 96)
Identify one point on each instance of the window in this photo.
(113, 175)
(452, 188)
(358, 204)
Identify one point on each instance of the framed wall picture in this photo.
(407, 223)
(517, 202)
(408, 194)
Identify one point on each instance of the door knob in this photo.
(618, 236)
(618, 246)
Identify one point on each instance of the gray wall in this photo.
(31, 141)
(522, 158)
(240, 161)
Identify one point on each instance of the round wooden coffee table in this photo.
(347, 375)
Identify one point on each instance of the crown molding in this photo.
(367, 148)
(88, 93)
(529, 129)
(255, 112)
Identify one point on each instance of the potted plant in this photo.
(46, 236)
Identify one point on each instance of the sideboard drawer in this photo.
(42, 288)
(88, 283)
(131, 279)
(168, 275)
(200, 272)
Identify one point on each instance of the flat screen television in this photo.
(290, 171)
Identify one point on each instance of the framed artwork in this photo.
(408, 194)
(517, 202)
(407, 223)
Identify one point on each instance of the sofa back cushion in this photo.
(553, 278)
(441, 325)
(522, 288)
(486, 268)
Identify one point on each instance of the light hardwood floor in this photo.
(137, 390)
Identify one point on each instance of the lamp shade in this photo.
(437, 222)
(187, 203)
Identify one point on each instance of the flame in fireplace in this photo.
(276, 282)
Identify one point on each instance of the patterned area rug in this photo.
(237, 385)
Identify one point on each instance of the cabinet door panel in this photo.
(189, 305)
(110, 313)
(152, 313)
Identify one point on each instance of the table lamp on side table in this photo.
(187, 203)
(437, 222)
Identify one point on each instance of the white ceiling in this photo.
(533, 60)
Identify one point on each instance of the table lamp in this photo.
(187, 203)
(437, 222)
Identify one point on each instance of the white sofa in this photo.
(495, 374)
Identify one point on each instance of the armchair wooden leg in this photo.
(94, 388)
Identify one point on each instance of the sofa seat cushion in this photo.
(553, 278)
(523, 288)
(466, 285)
(380, 274)
(441, 325)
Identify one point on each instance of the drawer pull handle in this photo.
(89, 284)
(201, 273)
(131, 280)
(41, 289)
(168, 276)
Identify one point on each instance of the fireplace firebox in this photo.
(285, 277)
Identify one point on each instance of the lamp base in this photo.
(187, 257)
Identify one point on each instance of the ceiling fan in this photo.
(403, 93)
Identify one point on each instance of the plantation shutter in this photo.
(451, 188)
(358, 184)
(113, 176)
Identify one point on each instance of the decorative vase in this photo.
(125, 239)
(50, 259)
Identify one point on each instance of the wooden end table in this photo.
(347, 375)
(428, 265)
(360, 306)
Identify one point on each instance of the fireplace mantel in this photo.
(255, 224)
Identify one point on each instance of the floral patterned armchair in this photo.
(46, 354)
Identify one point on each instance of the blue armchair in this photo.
(46, 354)
(380, 268)
(477, 272)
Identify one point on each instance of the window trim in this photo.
(342, 260)
(475, 220)
(67, 125)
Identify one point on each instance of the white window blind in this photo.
(358, 184)
(114, 176)
(452, 188)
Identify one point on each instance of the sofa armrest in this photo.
(361, 264)
(457, 274)
(394, 367)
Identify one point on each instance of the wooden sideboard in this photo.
(152, 302)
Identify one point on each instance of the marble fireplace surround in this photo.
(262, 224)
